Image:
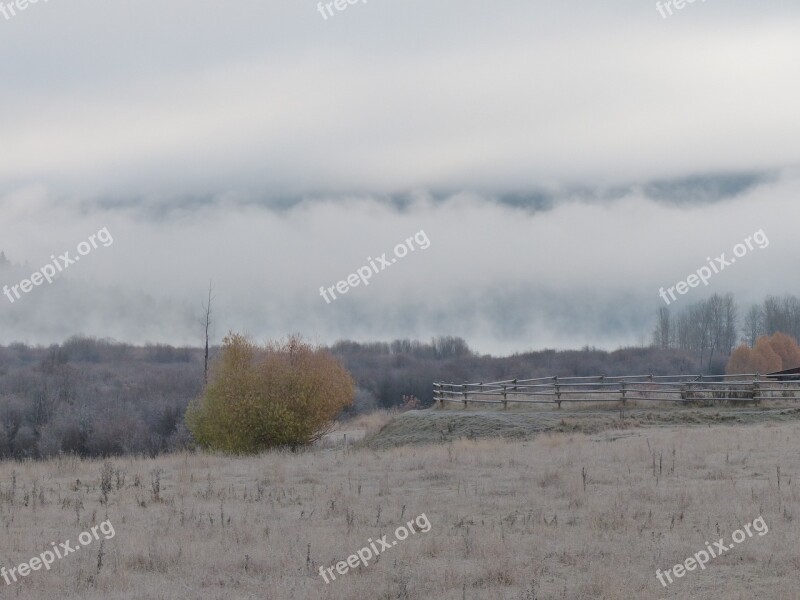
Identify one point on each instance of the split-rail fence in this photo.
(621, 389)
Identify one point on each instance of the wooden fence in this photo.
(658, 388)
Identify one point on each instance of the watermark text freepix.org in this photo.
(63, 262)
(48, 557)
(367, 553)
(10, 10)
(679, 4)
(700, 559)
(339, 5)
(363, 274)
(704, 273)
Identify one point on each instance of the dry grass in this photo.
(344, 433)
(370, 423)
(576, 402)
(511, 520)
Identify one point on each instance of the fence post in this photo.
(622, 390)
(505, 398)
(464, 389)
(755, 389)
(558, 391)
(514, 389)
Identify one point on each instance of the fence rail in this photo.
(658, 388)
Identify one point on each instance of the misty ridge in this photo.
(615, 247)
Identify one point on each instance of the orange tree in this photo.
(769, 354)
(282, 394)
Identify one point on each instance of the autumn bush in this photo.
(786, 347)
(775, 353)
(284, 394)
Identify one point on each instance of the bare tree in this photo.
(449, 347)
(723, 315)
(792, 307)
(753, 325)
(207, 324)
(780, 315)
(662, 337)
(707, 328)
(731, 316)
(700, 317)
(774, 316)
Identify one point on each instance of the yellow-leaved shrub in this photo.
(283, 394)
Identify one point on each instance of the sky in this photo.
(564, 161)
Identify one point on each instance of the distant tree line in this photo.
(710, 329)
(95, 398)
(101, 398)
(386, 372)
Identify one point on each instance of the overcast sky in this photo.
(565, 160)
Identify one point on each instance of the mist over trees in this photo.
(710, 329)
(707, 329)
